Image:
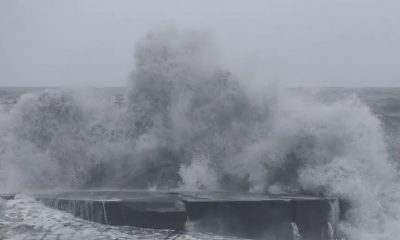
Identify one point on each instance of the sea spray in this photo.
(188, 123)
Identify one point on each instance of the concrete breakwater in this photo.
(255, 216)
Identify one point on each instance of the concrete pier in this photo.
(262, 216)
(256, 216)
(133, 208)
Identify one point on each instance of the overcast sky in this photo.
(302, 43)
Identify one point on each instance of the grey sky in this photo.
(303, 43)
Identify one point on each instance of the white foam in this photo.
(188, 123)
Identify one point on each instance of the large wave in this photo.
(188, 123)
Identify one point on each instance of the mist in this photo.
(306, 44)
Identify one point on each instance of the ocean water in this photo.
(184, 122)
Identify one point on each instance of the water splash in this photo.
(188, 123)
(104, 212)
(331, 232)
(296, 232)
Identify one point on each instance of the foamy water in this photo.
(185, 122)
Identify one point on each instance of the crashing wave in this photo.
(188, 123)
